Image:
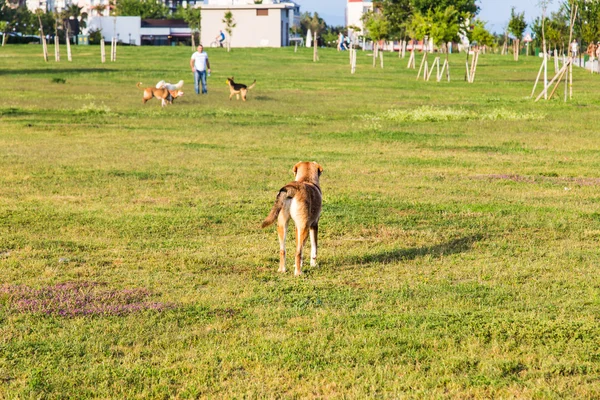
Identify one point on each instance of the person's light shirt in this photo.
(200, 60)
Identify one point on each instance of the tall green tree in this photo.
(588, 20)
(193, 17)
(151, 9)
(557, 29)
(440, 25)
(312, 22)
(461, 6)
(397, 13)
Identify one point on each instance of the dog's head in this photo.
(229, 81)
(176, 93)
(307, 171)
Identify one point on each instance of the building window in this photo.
(262, 12)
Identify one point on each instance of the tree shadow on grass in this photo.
(455, 246)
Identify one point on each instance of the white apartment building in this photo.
(257, 25)
(355, 9)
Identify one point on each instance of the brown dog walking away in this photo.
(164, 95)
(238, 88)
(301, 200)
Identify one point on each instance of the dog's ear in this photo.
(319, 168)
(295, 169)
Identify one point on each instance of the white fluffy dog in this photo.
(168, 86)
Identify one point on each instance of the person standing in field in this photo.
(574, 48)
(200, 65)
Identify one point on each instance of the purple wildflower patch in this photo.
(73, 299)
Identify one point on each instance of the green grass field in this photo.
(458, 242)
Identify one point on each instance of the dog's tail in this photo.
(253, 84)
(285, 193)
(139, 85)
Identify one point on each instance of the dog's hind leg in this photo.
(282, 228)
(314, 230)
(301, 236)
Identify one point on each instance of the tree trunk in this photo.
(374, 53)
(315, 55)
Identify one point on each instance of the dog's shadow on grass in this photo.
(454, 246)
(263, 98)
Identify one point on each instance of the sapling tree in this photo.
(316, 25)
(439, 25)
(229, 22)
(517, 26)
(377, 28)
(481, 35)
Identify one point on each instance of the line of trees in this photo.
(586, 28)
(438, 20)
(24, 22)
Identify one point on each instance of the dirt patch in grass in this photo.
(72, 299)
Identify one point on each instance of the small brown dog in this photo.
(164, 95)
(301, 200)
(238, 88)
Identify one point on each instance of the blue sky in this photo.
(495, 12)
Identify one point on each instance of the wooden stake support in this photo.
(424, 67)
(411, 60)
(56, 49)
(43, 37)
(473, 68)
(436, 62)
(44, 47)
(538, 78)
(444, 66)
(68, 43)
(113, 49)
(558, 76)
